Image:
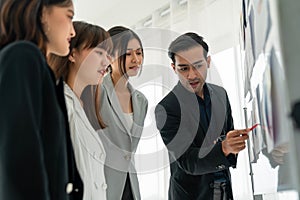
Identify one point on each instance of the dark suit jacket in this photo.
(194, 156)
(36, 158)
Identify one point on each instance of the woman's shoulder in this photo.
(22, 53)
(140, 94)
(69, 98)
(140, 97)
(22, 47)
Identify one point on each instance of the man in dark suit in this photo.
(196, 125)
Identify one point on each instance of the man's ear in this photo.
(173, 66)
(72, 56)
(208, 61)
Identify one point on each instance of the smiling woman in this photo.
(85, 65)
(123, 110)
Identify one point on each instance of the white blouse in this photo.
(129, 119)
(88, 149)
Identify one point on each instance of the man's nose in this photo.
(192, 73)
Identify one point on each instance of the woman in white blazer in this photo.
(123, 110)
(85, 65)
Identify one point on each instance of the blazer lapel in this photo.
(136, 104)
(74, 176)
(138, 115)
(114, 102)
(80, 112)
(189, 104)
(218, 113)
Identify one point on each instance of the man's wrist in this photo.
(224, 149)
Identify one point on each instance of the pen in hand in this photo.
(253, 127)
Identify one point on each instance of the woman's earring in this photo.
(46, 29)
(71, 57)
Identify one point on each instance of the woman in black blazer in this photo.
(36, 157)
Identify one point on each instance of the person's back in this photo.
(30, 119)
(35, 156)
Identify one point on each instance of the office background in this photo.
(252, 42)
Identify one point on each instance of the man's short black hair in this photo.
(185, 42)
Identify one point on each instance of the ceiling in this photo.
(115, 12)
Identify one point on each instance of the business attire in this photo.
(88, 148)
(120, 139)
(190, 127)
(36, 156)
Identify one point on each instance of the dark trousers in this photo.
(127, 192)
(220, 191)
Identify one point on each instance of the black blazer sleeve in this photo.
(22, 167)
(228, 126)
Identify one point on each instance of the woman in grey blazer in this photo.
(123, 110)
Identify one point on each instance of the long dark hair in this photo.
(120, 37)
(21, 20)
(87, 36)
